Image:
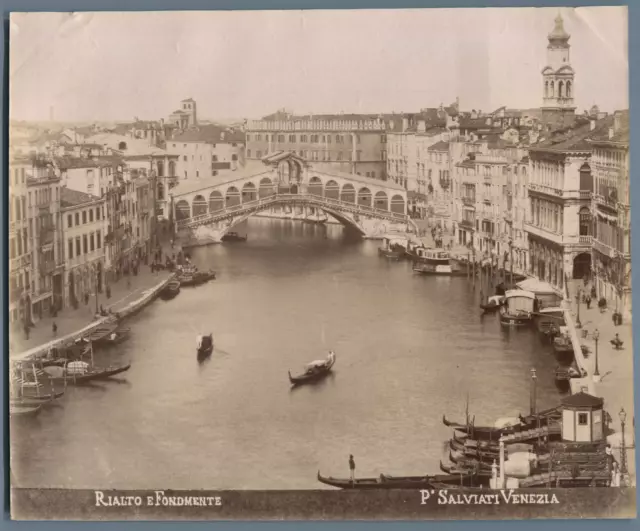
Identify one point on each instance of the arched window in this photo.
(568, 89)
(122, 145)
(552, 89)
(546, 89)
(560, 89)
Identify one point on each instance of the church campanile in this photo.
(558, 109)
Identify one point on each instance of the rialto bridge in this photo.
(205, 209)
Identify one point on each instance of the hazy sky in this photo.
(114, 66)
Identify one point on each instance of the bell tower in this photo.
(558, 109)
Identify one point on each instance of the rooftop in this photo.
(574, 139)
(71, 198)
(583, 399)
(211, 134)
(439, 146)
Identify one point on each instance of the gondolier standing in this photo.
(352, 468)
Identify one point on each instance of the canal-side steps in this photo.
(130, 309)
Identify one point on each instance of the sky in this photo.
(245, 64)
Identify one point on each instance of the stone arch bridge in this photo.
(204, 210)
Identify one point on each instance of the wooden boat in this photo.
(493, 304)
(107, 335)
(465, 462)
(171, 290)
(391, 249)
(315, 370)
(204, 276)
(205, 346)
(456, 470)
(233, 237)
(19, 410)
(518, 308)
(76, 374)
(397, 482)
(435, 262)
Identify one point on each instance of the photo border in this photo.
(165, 5)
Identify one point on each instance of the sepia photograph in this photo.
(320, 264)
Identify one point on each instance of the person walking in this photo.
(352, 468)
(54, 327)
(588, 301)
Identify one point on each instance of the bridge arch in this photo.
(315, 186)
(332, 190)
(381, 201)
(364, 196)
(249, 192)
(216, 201)
(266, 187)
(348, 193)
(199, 205)
(398, 204)
(183, 210)
(232, 197)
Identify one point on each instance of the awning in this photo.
(607, 217)
(536, 286)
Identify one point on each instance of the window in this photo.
(77, 219)
(84, 217)
(214, 158)
(339, 155)
(91, 216)
(292, 138)
(248, 138)
(69, 220)
(184, 158)
(583, 419)
(98, 242)
(328, 139)
(70, 244)
(92, 242)
(78, 250)
(97, 213)
(214, 173)
(234, 157)
(197, 173)
(85, 246)
(248, 153)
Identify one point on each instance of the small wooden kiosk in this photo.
(582, 418)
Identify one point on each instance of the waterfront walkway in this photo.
(615, 383)
(69, 320)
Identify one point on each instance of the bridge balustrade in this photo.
(309, 198)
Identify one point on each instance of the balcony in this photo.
(469, 201)
(20, 262)
(466, 224)
(603, 248)
(585, 240)
(543, 189)
(543, 233)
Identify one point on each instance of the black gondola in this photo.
(315, 370)
(205, 346)
(493, 304)
(399, 482)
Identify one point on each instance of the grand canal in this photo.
(408, 348)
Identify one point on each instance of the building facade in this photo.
(348, 143)
(611, 256)
(20, 244)
(84, 225)
(45, 234)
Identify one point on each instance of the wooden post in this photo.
(532, 405)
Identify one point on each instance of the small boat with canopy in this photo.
(391, 249)
(435, 262)
(518, 309)
(315, 370)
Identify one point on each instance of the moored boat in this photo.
(233, 237)
(518, 308)
(170, 290)
(391, 249)
(435, 262)
(108, 335)
(20, 410)
(315, 370)
(204, 276)
(493, 304)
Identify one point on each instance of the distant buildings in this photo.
(351, 143)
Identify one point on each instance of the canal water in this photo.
(409, 348)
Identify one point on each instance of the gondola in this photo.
(205, 346)
(108, 335)
(470, 463)
(171, 290)
(488, 433)
(398, 482)
(18, 410)
(233, 237)
(455, 470)
(315, 370)
(74, 374)
(493, 304)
